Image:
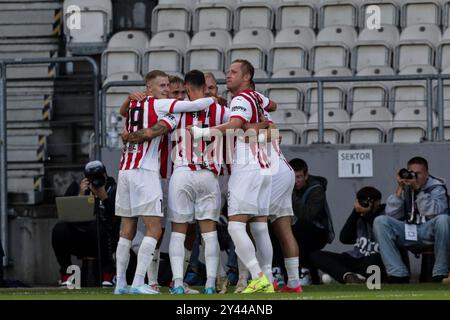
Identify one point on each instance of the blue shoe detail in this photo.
(120, 291)
(177, 290)
(193, 279)
(232, 277)
(143, 289)
(209, 290)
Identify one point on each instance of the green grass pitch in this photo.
(322, 292)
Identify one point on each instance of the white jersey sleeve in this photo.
(265, 101)
(241, 108)
(177, 106)
(170, 119)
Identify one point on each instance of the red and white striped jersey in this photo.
(166, 163)
(144, 114)
(201, 154)
(248, 106)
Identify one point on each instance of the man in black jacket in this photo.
(311, 225)
(80, 238)
(351, 266)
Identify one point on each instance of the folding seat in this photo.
(289, 120)
(95, 26)
(446, 92)
(367, 95)
(288, 136)
(165, 51)
(369, 125)
(386, 34)
(300, 35)
(336, 123)
(443, 51)
(124, 52)
(445, 14)
(410, 125)
(328, 55)
(287, 55)
(170, 17)
(338, 13)
(291, 14)
(418, 69)
(416, 46)
(407, 94)
(250, 15)
(287, 96)
(420, 12)
(333, 98)
(291, 73)
(334, 72)
(389, 13)
(207, 50)
(447, 123)
(343, 34)
(250, 44)
(209, 15)
(376, 71)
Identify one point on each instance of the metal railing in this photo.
(3, 138)
(320, 81)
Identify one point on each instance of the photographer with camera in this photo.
(351, 266)
(80, 238)
(416, 218)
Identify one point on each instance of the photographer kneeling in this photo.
(80, 238)
(416, 218)
(351, 266)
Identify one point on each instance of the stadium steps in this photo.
(29, 29)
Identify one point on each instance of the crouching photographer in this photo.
(416, 219)
(80, 238)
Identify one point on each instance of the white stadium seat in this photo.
(286, 96)
(334, 72)
(328, 54)
(387, 34)
(291, 73)
(95, 29)
(291, 124)
(300, 35)
(407, 94)
(369, 54)
(367, 95)
(418, 69)
(369, 125)
(447, 123)
(425, 32)
(124, 52)
(170, 17)
(249, 15)
(376, 71)
(389, 13)
(420, 12)
(409, 125)
(288, 55)
(213, 16)
(343, 34)
(336, 123)
(296, 14)
(333, 98)
(338, 13)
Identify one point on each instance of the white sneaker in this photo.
(305, 277)
(143, 289)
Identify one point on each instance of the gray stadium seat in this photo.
(376, 71)
(124, 52)
(389, 13)
(300, 35)
(386, 34)
(291, 14)
(333, 98)
(170, 17)
(418, 69)
(343, 34)
(328, 55)
(338, 13)
(291, 73)
(409, 125)
(447, 123)
(288, 55)
(336, 123)
(424, 32)
(289, 120)
(253, 14)
(217, 15)
(334, 72)
(407, 94)
(420, 12)
(369, 125)
(366, 54)
(95, 29)
(288, 96)
(446, 14)
(367, 95)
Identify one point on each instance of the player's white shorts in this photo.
(281, 194)
(223, 185)
(138, 193)
(249, 193)
(193, 195)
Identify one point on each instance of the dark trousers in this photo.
(309, 238)
(338, 264)
(80, 239)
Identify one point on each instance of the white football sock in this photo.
(187, 260)
(122, 259)
(243, 271)
(264, 249)
(211, 257)
(176, 254)
(152, 271)
(144, 258)
(292, 265)
(244, 247)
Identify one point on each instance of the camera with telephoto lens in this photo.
(95, 171)
(365, 203)
(406, 174)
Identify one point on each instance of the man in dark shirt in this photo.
(80, 238)
(351, 266)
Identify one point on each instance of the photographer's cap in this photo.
(368, 193)
(94, 167)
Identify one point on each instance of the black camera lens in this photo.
(95, 173)
(364, 203)
(406, 174)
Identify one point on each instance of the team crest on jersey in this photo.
(131, 148)
(238, 108)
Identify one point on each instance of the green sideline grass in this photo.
(322, 292)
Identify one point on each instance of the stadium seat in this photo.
(165, 51)
(292, 14)
(389, 13)
(188, 3)
(293, 119)
(338, 13)
(445, 14)
(328, 55)
(207, 50)
(217, 15)
(171, 17)
(447, 123)
(299, 35)
(369, 125)
(288, 96)
(288, 55)
(376, 71)
(288, 136)
(291, 73)
(409, 125)
(443, 51)
(334, 72)
(251, 44)
(367, 95)
(407, 94)
(420, 12)
(333, 98)
(343, 34)
(96, 26)
(418, 69)
(124, 52)
(369, 54)
(386, 34)
(250, 15)
(336, 123)
(424, 32)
